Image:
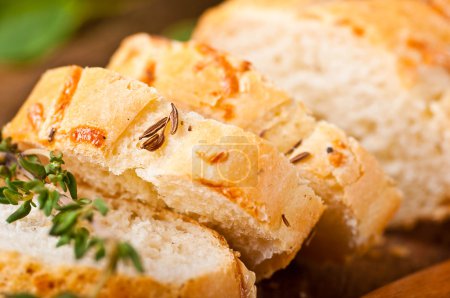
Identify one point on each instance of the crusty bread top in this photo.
(195, 172)
(21, 273)
(93, 125)
(195, 75)
(382, 22)
(215, 85)
(90, 119)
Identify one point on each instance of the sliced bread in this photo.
(380, 69)
(359, 196)
(218, 174)
(181, 258)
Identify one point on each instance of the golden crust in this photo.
(381, 22)
(373, 195)
(428, 33)
(348, 175)
(20, 273)
(109, 104)
(344, 173)
(213, 84)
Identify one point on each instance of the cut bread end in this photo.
(180, 257)
(376, 68)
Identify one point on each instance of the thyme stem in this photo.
(32, 184)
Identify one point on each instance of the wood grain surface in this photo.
(433, 282)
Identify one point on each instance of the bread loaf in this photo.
(181, 258)
(359, 197)
(218, 174)
(380, 69)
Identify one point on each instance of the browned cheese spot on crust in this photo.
(66, 95)
(149, 75)
(230, 84)
(89, 135)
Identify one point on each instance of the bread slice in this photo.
(380, 69)
(360, 198)
(181, 257)
(217, 174)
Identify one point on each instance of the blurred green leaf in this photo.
(29, 28)
(21, 295)
(181, 30)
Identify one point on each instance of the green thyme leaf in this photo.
(12, 196)
(61, 182)
(5, 172)
(51, 169)
(13, 170)
(89, 215)
(63, 222)
(20, 295)
(10, 185)
(84, 201)
(33, 166)
(3, 199)
(81, 242)
(17, 184)
(56, 157)
(64, 240)
(6, 145)
(71, 185)
(126, 251)
(68, 207)
(56, 180)
(51, 202)
(101, 252)
(20, 213)
(33, 184)
(42, 198)
(101, 206)
(66, 295)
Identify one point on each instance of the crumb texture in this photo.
(379, 69)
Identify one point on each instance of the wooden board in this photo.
(433, 282)
(400, 254)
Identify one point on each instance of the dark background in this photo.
(92, 43)
(96, 33)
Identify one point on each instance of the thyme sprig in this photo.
(29, 183)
